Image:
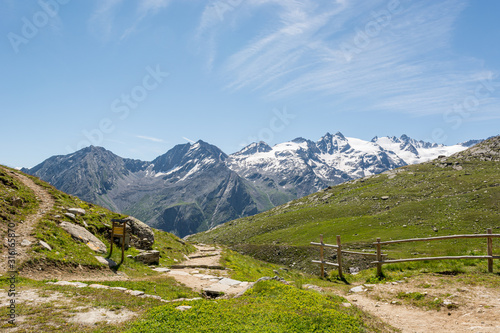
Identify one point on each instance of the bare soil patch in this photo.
(469, 308)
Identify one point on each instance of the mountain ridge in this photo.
(196, 186)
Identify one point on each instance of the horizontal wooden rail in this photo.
(346, 251)
(325, 245)
(325, 263)
(363, 253)
(379, 261)
(434, 258)
(438, 238)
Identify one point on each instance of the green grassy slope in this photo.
(66, 252)
(455, 195)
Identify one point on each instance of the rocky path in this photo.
(23, 230)
(203, 273)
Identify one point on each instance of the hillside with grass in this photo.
(66, 253)
(60, 285)
(459, 194)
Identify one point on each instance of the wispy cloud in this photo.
(149, 138)
(144, 9)
(102, 19)
(356, 54)
(189, 140)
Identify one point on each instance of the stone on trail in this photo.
(215, 290)
(161, 270)
(98, 286)
(135, 292)
(105, 261)
(25, 242)
(358, 289)
(229, 282)
(74, 284)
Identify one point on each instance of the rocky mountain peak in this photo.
(256, 147)
(329, 144)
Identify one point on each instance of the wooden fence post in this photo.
(321, 258)
(339, 256)
(123, 239)
(379, 258)
(490, 251)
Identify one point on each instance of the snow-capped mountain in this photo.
(194, 187)
(413, 151)
(301, 167)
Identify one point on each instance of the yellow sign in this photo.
(118, 231)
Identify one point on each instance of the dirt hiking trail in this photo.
(25, 228)
(471, 308)
(203, 273)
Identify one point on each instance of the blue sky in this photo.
(138, 77)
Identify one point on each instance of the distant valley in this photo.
(195, 187)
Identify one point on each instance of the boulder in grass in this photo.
(144, 235)
(149, 257)
(76, 211)
(84, 236)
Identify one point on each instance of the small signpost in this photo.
(119, 229)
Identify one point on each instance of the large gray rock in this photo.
(83, 235)
(145, 236)
(149, 257)
(76, 211)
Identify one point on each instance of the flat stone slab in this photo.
(179, 273)
(217, 287)
(67, 283)
(210, 277)
(118, 288)
(98, 286)
(229, 282)
(183, 307)
(215, 290)
(151, 296)
(135, 292)
(161, 270)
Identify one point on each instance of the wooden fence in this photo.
(379, 255)
(322, 261)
